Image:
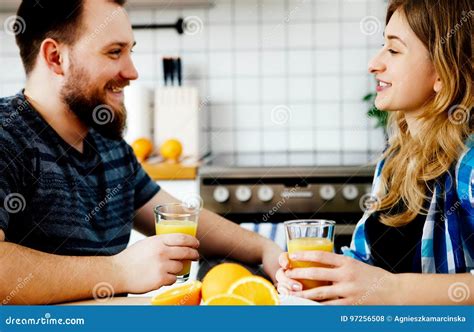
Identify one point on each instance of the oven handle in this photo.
(344, 229)
(297, 194)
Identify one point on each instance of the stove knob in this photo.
(221, 194)
(350, 192)
(265, 193)
(243, 193)
(327, 192)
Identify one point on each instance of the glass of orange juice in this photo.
(310, 234)
(177, 218)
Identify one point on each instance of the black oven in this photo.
(261, 191)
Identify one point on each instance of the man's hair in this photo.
(41, 19)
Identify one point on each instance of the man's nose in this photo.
(129, 71)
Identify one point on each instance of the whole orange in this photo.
(171, 150)
(142, 148)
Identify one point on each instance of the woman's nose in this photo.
(376, 64)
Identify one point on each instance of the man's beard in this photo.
(90, 105)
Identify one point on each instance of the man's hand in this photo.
(219, 237)
(155, 261)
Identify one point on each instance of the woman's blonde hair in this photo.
(411, 163)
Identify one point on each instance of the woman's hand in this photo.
(270, 256)
(353, 282)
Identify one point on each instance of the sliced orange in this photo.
(256, 289)
(187, 294)
(227, 299)
(220, 277)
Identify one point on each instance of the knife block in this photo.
(180, 115)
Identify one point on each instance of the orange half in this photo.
(256, 289)
(227, 299)
(187, 294)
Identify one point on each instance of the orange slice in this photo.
(256, 289)
(227, 299)
(187, 294)
(221, 277)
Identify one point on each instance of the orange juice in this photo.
(178, 226)
(307, 244)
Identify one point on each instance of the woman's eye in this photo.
(115, 52)
(391, 50)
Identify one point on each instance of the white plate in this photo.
(293, 300)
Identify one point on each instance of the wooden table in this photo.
(133, 300)
(146, 300)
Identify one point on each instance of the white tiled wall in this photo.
(254, 56)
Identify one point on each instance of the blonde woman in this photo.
(416, 245)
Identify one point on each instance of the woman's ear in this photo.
(438, 85)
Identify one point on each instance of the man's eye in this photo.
(115, 52)
(392, 51)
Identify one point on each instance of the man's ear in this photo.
(438, 85)
(51, 53)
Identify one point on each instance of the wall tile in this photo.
(276, 75)
(275, 140)
(247, 63)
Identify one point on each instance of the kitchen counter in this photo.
(171, 171)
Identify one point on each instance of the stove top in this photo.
(291, 159)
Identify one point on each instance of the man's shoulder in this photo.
(12, 123)
(10, 107)
(13, 128)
